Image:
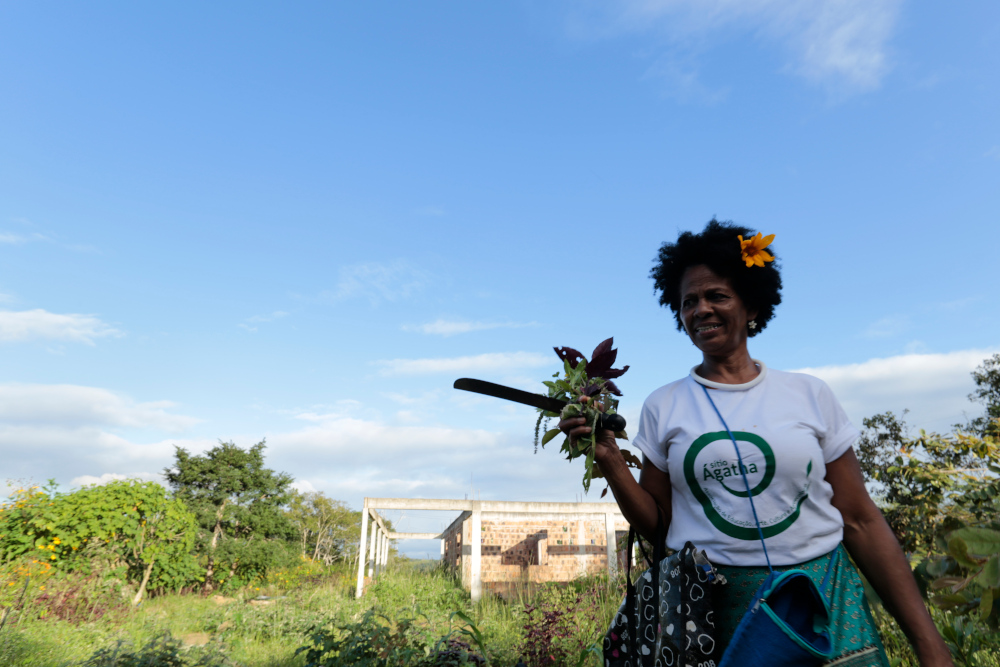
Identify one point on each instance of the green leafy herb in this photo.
(588, 389)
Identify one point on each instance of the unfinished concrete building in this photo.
(499, 544)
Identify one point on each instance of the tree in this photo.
(328, 529)
(940, 496)
(987, 379)
(237, 502)
(924, 483)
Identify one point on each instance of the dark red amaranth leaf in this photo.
(569, 354)
(598, 366)
(603, 358)
(604, 347)
(592, 389)
(611, 386)
(614, 373)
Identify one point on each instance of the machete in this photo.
(610, 422)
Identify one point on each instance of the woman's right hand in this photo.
(605, 446)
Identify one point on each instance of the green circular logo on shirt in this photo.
(727, 476)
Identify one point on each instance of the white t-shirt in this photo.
(788, 426)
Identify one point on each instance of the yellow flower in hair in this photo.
(753, 249)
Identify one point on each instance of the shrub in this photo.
(129, 529)
(373, 641)
(161, 651)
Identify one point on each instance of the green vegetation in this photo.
(123, 575)
(238, 504)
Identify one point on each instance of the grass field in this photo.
(410, 610)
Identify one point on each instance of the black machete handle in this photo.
(611, 422)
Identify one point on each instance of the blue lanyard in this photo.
(760, 531)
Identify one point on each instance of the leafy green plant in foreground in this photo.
(162, 651)
(967, 578)
(373, 641)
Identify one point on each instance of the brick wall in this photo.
(530, 549)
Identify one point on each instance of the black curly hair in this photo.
(718, 248)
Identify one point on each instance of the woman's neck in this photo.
(737, 368)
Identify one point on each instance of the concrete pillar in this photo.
(362, 552)
(609, 528)
(374, 544)
(442, 549)
(477, 550)
(385, 551)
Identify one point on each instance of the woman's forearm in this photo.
(638, 501)
(876, 551)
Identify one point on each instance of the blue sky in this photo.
(304, 221)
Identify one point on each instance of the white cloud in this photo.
(494, 361)
(16, 326)
(839, 42)
(72, 406)
(90, 480)
(303, 486)
(443, 327)
(377, 282)
(934, 387)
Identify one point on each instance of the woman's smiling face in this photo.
(713, 315)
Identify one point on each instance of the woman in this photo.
(796, 447)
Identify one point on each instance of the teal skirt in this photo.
(855, 640)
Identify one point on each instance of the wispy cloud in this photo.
(17, 326)
(377, 281)
(683, 82)
(494, 361)
(276, 315)
(17, 238)
(453, 327)
(257, 319)
(842, 43)
(887, 327)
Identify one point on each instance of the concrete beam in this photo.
(456, 524)
(371, 551)
(547, 516)
(361, 554)
(377, 519)
(489, 506)
(414, 536)
(476, 543)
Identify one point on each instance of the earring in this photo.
(752, 324)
